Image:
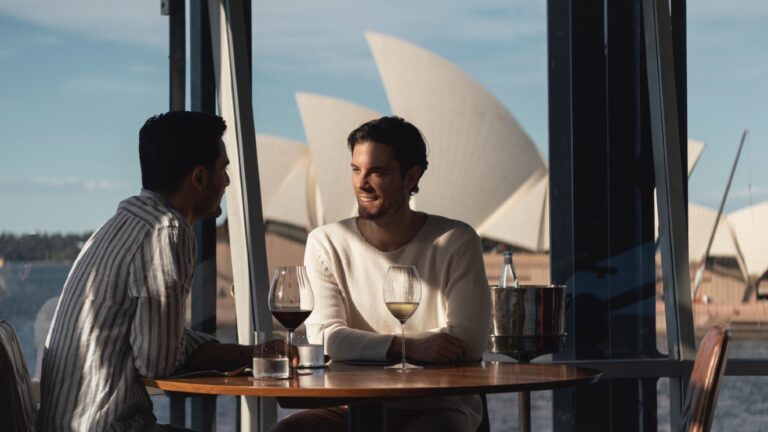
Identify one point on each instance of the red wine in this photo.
(291, 318)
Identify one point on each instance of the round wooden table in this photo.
(364, 387)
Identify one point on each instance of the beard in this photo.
(364, 213)
(385, 209)
(212, 213)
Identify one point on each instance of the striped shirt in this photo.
(121, 315)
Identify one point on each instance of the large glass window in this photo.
(75, 89)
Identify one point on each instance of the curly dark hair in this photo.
(405, 140)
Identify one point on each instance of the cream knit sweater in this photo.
(347, 275)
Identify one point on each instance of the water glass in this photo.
(270, 355)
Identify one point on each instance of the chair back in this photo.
(704, 385)
(17, 404)
(485, 423)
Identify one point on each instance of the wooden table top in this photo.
(346, 383)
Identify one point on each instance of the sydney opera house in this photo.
(602, 219)
(484, 169)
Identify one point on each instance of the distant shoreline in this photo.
(748, 321)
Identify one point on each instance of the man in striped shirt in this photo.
(121, 314)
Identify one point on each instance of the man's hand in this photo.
(278, 345)
(435, 348)
(218, 356)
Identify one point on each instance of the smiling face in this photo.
(380, 188)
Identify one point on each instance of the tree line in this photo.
(35, 247)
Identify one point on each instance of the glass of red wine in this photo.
(290, 298)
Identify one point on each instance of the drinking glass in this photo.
(402, 294)
(270, 355)
(290, 298)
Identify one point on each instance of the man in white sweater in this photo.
(347, 261)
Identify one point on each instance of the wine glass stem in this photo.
(402, 329)
(290, 349)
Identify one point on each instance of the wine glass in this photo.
(290, 298)
(402, 294)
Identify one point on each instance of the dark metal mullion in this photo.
(670, 187)
(580, 240)
(560, 65)
(177, 27)
(591, 215)
(632, 286)
(238, 27)
(177, 54)
(559, 62)
(203, 99)
(679, 22)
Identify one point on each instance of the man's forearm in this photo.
(218, 356)
(435, 348)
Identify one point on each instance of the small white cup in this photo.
(311, 356)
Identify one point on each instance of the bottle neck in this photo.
(508, 276)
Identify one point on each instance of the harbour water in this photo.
(25, 288)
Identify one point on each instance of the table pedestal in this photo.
(524, 410)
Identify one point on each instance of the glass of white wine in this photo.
(402, 294)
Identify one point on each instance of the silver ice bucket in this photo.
(527, 322)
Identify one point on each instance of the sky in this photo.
(79, 78)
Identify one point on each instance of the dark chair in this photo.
(485, 424)
(704, 386)
(17, 404)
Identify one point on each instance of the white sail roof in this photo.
(750, 226)
(521, 220)
(701, 221)
(695, 148)
(484, 169)
(479, 155)
(283, 177)
(327, 123)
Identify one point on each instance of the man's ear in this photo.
(412, 177)
(199, 177)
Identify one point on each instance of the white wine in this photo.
(402, 310)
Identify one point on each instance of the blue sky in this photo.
(80, 77)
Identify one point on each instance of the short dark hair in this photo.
(171, 145)
(405, 140)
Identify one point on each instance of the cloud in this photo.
(116, 20)
(13, 43)
(45, 39)
(58, 184)
(100, 85)
(305, 34)
(324, 36)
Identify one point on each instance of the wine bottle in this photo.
(508, 278)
